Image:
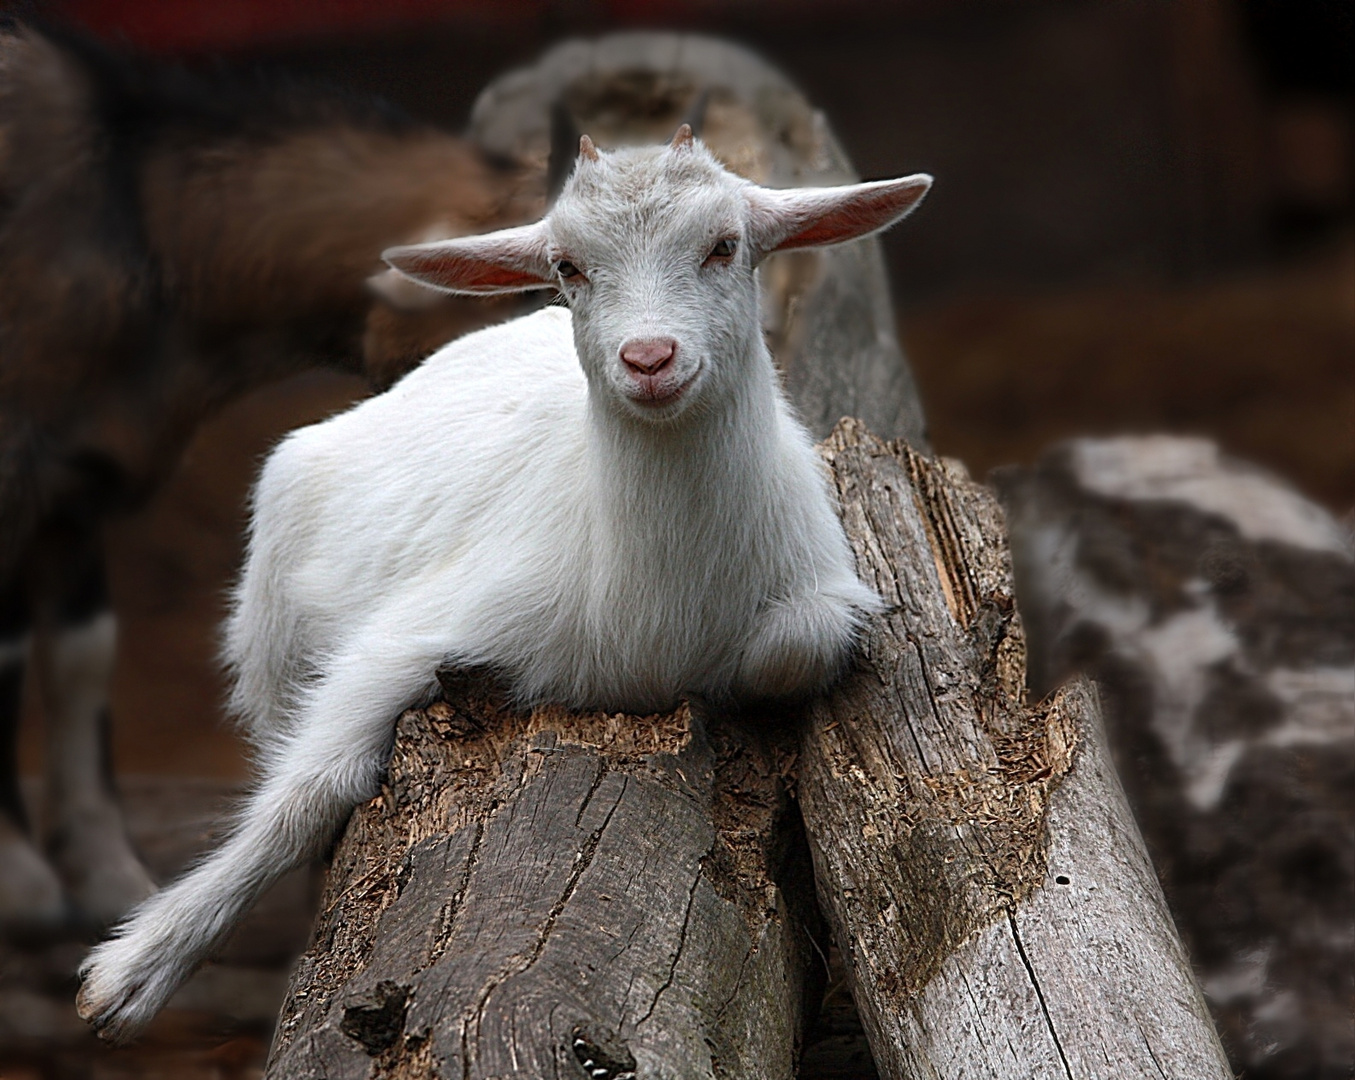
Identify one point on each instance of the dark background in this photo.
(1142, 221)
(1127, 193)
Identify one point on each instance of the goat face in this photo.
(648, 249)
(654, 250)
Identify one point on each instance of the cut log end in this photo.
(535, 893)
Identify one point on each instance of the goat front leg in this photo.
(802, 643)
(313, 777)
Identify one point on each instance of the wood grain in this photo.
(555, 894)
(1215, 607)
(974, 854)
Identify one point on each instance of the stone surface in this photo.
(1215, 606)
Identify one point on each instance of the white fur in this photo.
(516, 503)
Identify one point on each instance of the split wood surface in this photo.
(564, 894)
(976, 856)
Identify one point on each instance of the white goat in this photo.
(610, 503)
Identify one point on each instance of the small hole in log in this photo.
(1062, 879)
(378, 1020)
(610, 1061)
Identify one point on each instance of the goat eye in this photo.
(567, 269)
(723, 249)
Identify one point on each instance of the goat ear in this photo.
(785, 218)
(511, 260)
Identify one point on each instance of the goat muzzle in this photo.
(648, 356)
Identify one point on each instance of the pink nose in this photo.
(648, 356)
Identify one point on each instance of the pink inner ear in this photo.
(831, 217)
(462, 272)
(497, 277)
(476, 274)
(836, 227)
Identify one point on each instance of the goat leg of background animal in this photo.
(30, 894)
(84, 834)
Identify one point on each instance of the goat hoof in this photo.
(103, 1012)
(124, 982)
(31, 900)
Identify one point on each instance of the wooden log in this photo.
(1215, 607)
(974, 854)
(558, 894)
(827, 312)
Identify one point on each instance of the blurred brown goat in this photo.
(168, 242)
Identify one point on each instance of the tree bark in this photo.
(558, 894)
(828, 314)
(1215, 607)
(975, 855)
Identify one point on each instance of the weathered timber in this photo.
(827, 312)
(558, 894)
(975, 855)
(1215, 607)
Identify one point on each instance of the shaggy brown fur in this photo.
(168, 242)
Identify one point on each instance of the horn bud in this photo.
(696, 112)
(683, 138)
(586, 148)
